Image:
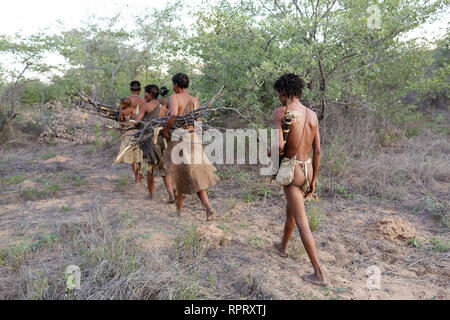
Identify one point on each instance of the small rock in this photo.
(212, 237)
(27, 184)
(393, 228)
(57, 159)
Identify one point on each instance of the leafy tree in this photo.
(435, 85)
(247, 44)
(100, 57)
(157, 39)
(28, 55)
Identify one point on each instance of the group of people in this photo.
(179, 179)
(299, 141)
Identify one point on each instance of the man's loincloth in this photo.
(160, 166)
(190, 178)
(153, 150)
(134, 154)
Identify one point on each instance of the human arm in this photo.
(173, 110)
(125, 112)
(141, 113)
(316, 159)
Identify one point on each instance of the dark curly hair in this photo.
(163, 91)
(135, 85)
(291, 84)
(181, 80)
(153, 90)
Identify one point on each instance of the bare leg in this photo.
(169, 189)
(135, 170)
(141, 175)
(205, 204)
(179, 201)
(294, 198)
(288, 228)
(150, 184)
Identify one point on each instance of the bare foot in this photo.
(174, 214)
(171, 200)
(210, 214)
(141, 177)
(312, 278)
(282, 253)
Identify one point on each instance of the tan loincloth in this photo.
(161, 167)
(134, 154)
(190, 178)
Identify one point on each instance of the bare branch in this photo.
(268, 43)
(279, 8)
(270, 10)
(297, 7)
(327, 11)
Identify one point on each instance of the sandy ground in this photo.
(347, 243)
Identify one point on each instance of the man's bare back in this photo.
(303, 138)
(180, 101)
(293, 147)
(136, 101)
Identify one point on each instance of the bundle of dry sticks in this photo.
(85, 102)
(148, 130)
(188, 119)
(146, 125)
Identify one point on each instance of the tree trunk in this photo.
(323, 88)
(13, 100)
(6, 131)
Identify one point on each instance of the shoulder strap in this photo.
(304, 126)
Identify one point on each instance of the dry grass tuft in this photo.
(111, 267)
(405, 168)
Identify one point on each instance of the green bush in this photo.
(315, 215)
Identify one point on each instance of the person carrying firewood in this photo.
(134, 155)
(132, 105)
(190, 177)
(154, 147)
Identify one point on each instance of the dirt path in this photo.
(44, 185)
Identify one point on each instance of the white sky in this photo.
(30, 16)
(27, 17)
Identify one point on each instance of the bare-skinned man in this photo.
(136, 99)
(302, 138)
(134, 156)
(188, 178)
(155, 158)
